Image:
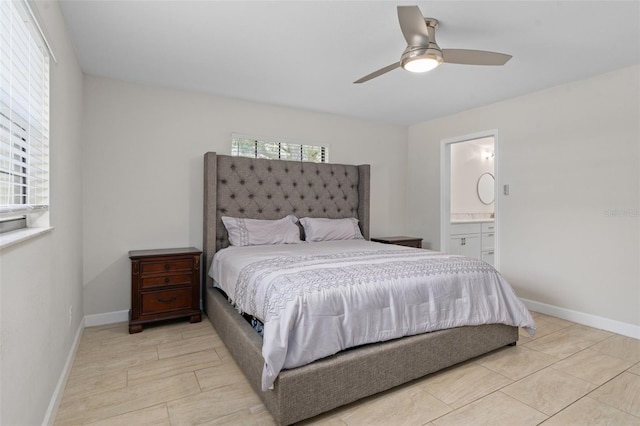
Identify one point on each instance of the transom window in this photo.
(243, 146)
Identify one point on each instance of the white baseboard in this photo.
(106, 318)
(602, 323)
(56, 398)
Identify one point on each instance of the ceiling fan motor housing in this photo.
(431, 51)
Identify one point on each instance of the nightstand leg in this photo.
(195, 318)
(136, 328)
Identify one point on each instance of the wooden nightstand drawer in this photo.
(166, 266)
(165, 284)
(166, 301)
(400, 241)
(166, 280)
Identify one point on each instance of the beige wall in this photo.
(41, 278)
(143, 170)
(569, 233)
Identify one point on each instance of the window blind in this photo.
(24, 113)
(277, 150)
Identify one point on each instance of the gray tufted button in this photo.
(310, 185)
(286, 170)
(286, 197)
(295, 184)
(233, 167)
(223, 181)
(259, 210)
(251, 196)
(241, 210)
(268, 196)
(232, 196)
(269, 169)
(278, 209)
(260, 183)
(310, 210)
(251, 167)
(242, 182)
(331, 197)
(317, 197)
(277, 183)
(301, 197)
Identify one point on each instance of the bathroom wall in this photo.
(468, 162)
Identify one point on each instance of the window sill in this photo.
(14, 237)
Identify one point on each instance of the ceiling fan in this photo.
(423, 53)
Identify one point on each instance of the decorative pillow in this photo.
(254, 232)
(320, 229)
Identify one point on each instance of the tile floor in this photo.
(181, 374)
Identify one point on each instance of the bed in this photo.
(265, 189)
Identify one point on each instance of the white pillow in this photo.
(254, 232)
(320, 229)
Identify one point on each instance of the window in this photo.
(24, 115)
(243, 146)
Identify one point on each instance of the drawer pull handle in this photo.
(167, 280)
(167, 266)
(489, 235)
(171, 299)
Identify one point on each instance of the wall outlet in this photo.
(70, 315)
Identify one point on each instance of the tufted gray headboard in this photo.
(272, 189)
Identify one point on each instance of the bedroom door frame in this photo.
(445, 188)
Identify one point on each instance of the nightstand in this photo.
(400, 241)
(165, 284)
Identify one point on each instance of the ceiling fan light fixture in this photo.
(420, 60)
(421, 64)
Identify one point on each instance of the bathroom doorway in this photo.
(469, 207)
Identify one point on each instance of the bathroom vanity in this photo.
(473, 238)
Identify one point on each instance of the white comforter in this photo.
(316, 299)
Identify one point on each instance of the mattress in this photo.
(316, 299)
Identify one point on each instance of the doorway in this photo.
(469, 207)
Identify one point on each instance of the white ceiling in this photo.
(306, 54)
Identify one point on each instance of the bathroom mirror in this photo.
(486, 185)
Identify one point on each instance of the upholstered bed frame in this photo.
(271, 189)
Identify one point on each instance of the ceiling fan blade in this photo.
(474, 57)
(378, 73)
(413, 26)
